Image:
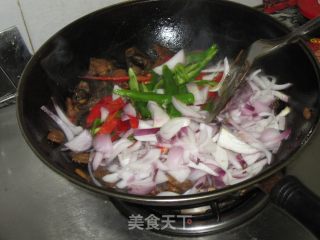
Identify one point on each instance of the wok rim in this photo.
(161, 200)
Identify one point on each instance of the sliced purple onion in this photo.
(96, 161)
(75, 129)
(159, 116)
(80, 143)
(104, 113)
(173, 126)
(63, 126)
(130, 110)
(230, 141)
(102, 143)
(180, 174)
(184, 109)
(179, 57)
(111, 178)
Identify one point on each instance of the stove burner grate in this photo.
(207, 218)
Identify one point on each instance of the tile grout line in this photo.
(25, 25)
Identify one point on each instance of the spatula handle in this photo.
(307, 28)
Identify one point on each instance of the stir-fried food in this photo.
(143, 129)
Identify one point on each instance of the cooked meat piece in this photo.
(71, 111)
(172, 185)
(81, 157)
(83, 85)
(307, 113)
(100, 173)
(137, 59)
(178, 187)
(163, 54)
(56, 136)
(82, 174)
(119, 72)
(81, 94)
(100, 67)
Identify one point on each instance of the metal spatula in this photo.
(243, 63)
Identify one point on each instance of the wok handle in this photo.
(291, 195)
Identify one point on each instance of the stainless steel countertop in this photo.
(37, 203)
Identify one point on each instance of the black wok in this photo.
(190, 24)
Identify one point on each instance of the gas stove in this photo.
(36, 203)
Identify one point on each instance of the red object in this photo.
(108, 103)
(122, 126)
(134, 122)
(110, 124)
(200, 76)
(274, 6)
(115, 105)
(212, 95)
(309, 8)
(141, 78)
(218, 77)
(314, 44)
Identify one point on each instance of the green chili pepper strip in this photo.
(133, 81)
(195, 69)
(194, 57)
(170, 86)
(172, 111)
(162, 99)
(206, 82)
(180, 74)
(134, 86)
(96, 123)
(154, 80)
(143, 87)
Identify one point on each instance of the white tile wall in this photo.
(45, 17)
(10, 15)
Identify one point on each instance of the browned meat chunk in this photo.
(137, 60)
(100, 67)
(72, 111)
(82, 174)
(81, 93)
(163, 54)
(81, 157)
(56, 136)
(119, 73)
(172, 185)
(100, 173)
(307, 113)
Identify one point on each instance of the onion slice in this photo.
(230, 141)
(185, 110)
(179, 57)
(80, 143)
(64, 127)
(159, 116)
(173, 126)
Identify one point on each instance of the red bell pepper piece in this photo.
(134, 122)
(110, 124)
(122, 126)
(106, 102)
(212, 95)
(115, 105)
(200, 76)
(218, 78)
